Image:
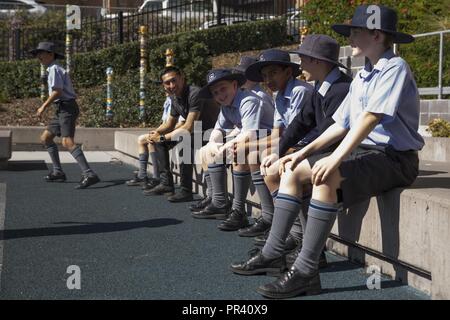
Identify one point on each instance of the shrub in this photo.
(21, 78)
(439, 128)
(414, 17)
(125, 91)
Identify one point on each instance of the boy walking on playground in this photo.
(62, 95)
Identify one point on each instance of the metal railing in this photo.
(439, 90)
(120, 27)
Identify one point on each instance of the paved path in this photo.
(128, 246)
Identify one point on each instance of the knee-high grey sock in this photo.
(54, 156)
(300, 221)
(241, 184)
(218, 175)
(154, 164)
(208, 184)
(143, 161)
(264, 196)
(269, 217)
(321, 217)
(286, 209)
(78, 154)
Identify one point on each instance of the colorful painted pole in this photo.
(43, 83)
(109, 76)
(68, 51)
(303, 33)
(73, 22)
(169, 58)
(142, 70)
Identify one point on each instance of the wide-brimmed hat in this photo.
(374, 17)
(217, 75)
(244, 63)
(271, 57)
(322, 47)
(48, 47)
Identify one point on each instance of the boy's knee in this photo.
(46, 138)
(68, 143)
(142, 139)
(271, 178)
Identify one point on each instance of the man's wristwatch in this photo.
(162, 138)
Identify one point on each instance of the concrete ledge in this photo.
(91, 139)
(436, 149)
(404, 232)
(5, 147)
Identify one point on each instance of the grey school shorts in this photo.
(371, 170)
(64, 121)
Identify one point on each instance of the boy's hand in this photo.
(40, 111)
(267, 162)
(323, 168)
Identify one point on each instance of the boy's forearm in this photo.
(365, 124)
(332, 135)
(53, 96)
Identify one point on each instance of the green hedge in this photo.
(415, 17)
(193, 52)
(125, 90)
(21, 79)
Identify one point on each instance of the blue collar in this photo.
(51, 65)
(331, 78)
(238, 98)
(257, 88)
(288, 90)
(381, 63)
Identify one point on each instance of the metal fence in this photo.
(440, 90)
(120, 27)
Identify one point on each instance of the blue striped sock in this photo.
(286, 210)
(321, 217)
(265, 196)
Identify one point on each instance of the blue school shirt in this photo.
(289, 103)
(268, 107)
(388, 88)
(244, 113)
(58, 78)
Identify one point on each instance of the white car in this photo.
(148, 5)
(11, 7)
(294, 22)
(226, 21)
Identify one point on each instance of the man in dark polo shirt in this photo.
(187, 104)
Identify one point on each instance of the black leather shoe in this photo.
(212, 212)
(256, 229)
(159, 190)
(55, 177)
(291, 284)
(260, 241)
(87, 181)
(236, 221)
(136, 181)
(200, 205)
(181, 196)
(151, 183)
(291, 244)
(258, 264)
(292, 256)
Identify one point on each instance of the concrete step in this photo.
(92, 139)
(405, 233)
(5, 147)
